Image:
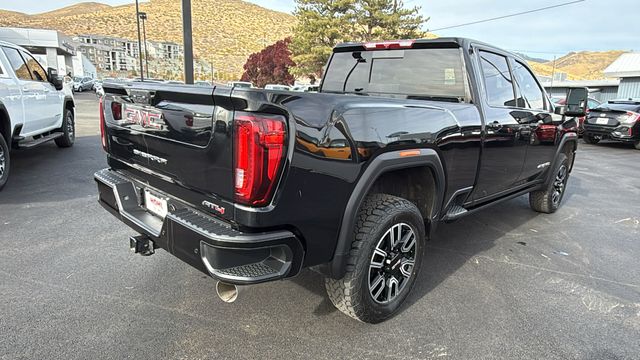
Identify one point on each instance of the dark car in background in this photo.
(617, 120)
(591, 104)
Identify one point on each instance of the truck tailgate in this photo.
(172, 132)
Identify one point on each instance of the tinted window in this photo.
(618, 107)
(497, 79)
(592, 104)
(35, 68)
(18, 64)
(413, 72)
(532, 95)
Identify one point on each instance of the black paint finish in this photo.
(333, 139)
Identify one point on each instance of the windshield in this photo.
(418, 73)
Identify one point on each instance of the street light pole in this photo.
(187, 41)
(139, 40)
(143, 16)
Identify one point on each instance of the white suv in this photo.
(34, 106)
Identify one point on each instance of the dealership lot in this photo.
(503, 283)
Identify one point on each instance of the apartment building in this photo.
(117, 54)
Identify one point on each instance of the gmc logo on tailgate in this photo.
(143, 117)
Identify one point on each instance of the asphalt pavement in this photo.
(505, 283)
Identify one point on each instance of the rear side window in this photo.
(532, 95)
(37, 72)
(17, 63)
(497, 79)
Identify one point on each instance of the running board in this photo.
(456, 211)
(39, 141)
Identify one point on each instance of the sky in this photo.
(589, 25)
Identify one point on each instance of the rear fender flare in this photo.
(5, 124)
(568, 138)
(384, 163)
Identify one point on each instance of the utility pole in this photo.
(140, 40)
(187, 40)
(553, 73)
(143, 16)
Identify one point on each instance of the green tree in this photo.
(321, 25)
(324, 23)
(387, 20)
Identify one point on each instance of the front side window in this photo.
(35, 68)
(497, 79)
(17, 63)
(532, 95)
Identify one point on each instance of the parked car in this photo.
(202, 83)
(240, 84)
(353, 185)
(617, 120)
(591, 104)
(305, 88)
(277, 87)
(97, 87)
(82, 84)
(35, 107)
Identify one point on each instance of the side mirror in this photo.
(576, 104)
(52, 75)
(559, 110)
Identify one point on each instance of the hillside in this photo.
(225, 32)
(583, 65)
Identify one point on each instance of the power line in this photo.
(510, 15)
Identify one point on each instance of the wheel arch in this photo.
(69, 103)
(5, 124)
(568, 146)
(380, 174)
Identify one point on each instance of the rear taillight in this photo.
(116, 110)
(103, 135)
(260, 147)
(633, 119)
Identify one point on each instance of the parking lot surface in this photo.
(504, 283)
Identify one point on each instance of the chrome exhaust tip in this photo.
(227, 292)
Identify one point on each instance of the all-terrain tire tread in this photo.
(344, 292)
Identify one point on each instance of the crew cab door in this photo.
(535, 116)
(52, 102)
(504, 147)
(33, 95)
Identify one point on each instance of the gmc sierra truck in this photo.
(250, 185)
(34, 106)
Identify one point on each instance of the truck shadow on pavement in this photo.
(454, 245)
(49, 174)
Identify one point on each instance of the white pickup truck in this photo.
(35, 107)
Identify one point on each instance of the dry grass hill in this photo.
(583, 65)
(225, 32)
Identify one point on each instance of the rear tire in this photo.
(637, 145)
(589, 139)
(68, 130)
(5, 162)
(384, 261)
(548, 200)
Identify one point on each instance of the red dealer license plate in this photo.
(155, 204)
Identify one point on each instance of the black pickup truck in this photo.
(251, 185)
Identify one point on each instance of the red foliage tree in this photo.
(270, 65)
